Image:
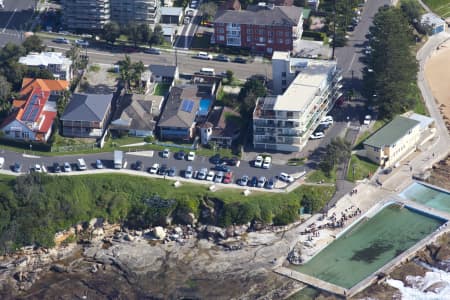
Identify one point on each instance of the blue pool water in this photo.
(427, 196)
(204, 106)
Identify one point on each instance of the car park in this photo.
(228, 178)
(163, 170)
(188, 172)
(215, 159)
(261, 181)
(166, 153)
(202, 173)
(317, 135)
(270, 183)
(172, 172)
(243, 181)
(286, 177)
(222, 57)
(240, 60)
(367, 119)
(267, 162)
(191, 156)
(67, 167)
(180, 155)
(254, 181)
(138, 166)
(222, 167)
(154, 168)
(56, 168)
(81, 164)
(204, 55)
(98, 164)
(210, 176)
(258, 161)
(219, 177)
(152, 51)
(82, 43)
(17, 167)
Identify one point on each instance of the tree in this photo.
(133, 33)
(137, 69)
(33, 44)
(39, 73)
(145, 33)
(252, 89)
(412, 10)
(125, 71)
(110, 32)
(392, 67)
(335, 152)
(5, 93)
(229, 76)
(208, 9)
(157, 36)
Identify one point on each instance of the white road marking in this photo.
(10, 18)
(351, 62)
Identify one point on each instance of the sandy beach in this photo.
(437, 73)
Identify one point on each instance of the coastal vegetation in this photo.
(34, 207)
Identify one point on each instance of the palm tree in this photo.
(138, 68)
(125, 71)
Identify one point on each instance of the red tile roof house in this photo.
(33, 114)
(261, 28)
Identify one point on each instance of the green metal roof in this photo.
(391, 132)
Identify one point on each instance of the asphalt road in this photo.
(28, 160)
(184, 39)
(13, 19)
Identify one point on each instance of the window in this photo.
(283, 74)
(287, 41)
(249, 38)
(221, 30)
(221, 38)
(287, 34)
(290, 114)
(270, 41)
(249, 31)
(261, 31)
(283, 82)
(280, 41)
(261, 39)
(279, 33)
(269, 34)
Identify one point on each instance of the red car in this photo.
(228, 178)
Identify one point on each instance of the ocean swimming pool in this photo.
(428, 196)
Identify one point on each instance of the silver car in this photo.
(261, 181)
(188, 172)
(202, 174)
(219, 177)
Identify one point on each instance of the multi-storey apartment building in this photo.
(85, 14)
(285, 122)
(139, 11)
(262, 28)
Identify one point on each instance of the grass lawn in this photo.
(440, 7)
(318, 175)
(362, 168)
(378, 124)
(94, 68)
(161, 89)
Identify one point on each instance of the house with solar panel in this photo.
(86, 115)
(34, 110)
(185, 107)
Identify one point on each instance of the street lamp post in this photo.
(31, 149)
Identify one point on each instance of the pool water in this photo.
(427, 196)
(204, 106)
(369, 245)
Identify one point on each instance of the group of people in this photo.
(353, 192)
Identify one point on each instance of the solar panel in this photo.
(32, 109)
(187, 105)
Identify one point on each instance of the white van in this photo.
(207, 71)
(2, 162)
(81, 164)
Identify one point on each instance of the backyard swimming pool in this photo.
(369, 245)
(204, 106)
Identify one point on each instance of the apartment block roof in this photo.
(276, 16)
(44, 59)
(87, 107)
(391, 132)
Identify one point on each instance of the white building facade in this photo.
(58, 64)
(309, 90)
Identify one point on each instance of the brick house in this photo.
(261, 28)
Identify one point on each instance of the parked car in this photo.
(204, 55)
(152, 51)
(186, 20)
(267, 162)
(202, 174)
(270, 184)
(98, 164)
(188, 172)
(172, 172)
(67, 167)
(154, 168)
(61, 41)
(163, 170)
(37, 168)
(17, 167)
(210, 176)
(138, 166)
(219, 177)
(228, 178)
(261, 181)
(222, 167)
(243, 181)
(367, 119)
(82, 43)
(286, 177)
(2, 162)
(189, 12)
(222, 57)
(240, 60)
(180, 155)
(81, 164)
(258, 161)
(254, 181)
(166, 153)
(317, 135)
(56, 168)
(233, 161)
(327, 120)
(191, 156)
(215, 159)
